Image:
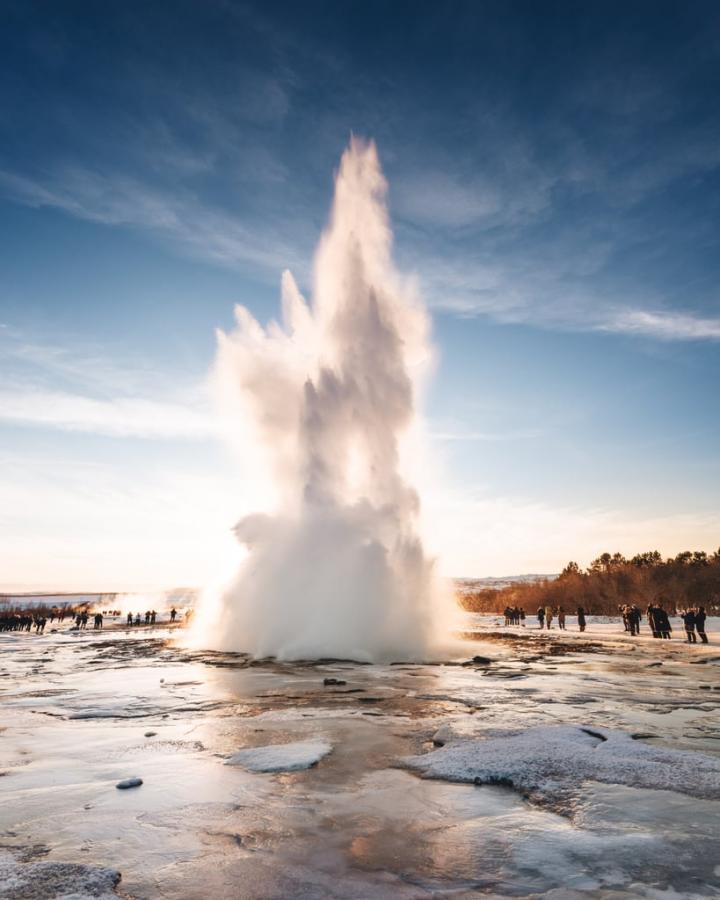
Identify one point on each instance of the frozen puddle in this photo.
(552, 762)
(55, 881)
(281, 757)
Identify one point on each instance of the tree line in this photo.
(691, 578)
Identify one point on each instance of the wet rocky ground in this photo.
(82, 712)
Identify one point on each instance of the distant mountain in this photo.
(470, 585)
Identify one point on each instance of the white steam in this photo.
(335, 566)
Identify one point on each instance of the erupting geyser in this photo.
(335, 565)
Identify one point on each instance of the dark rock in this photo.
(129, 783)
(595, 734)
(329, 682)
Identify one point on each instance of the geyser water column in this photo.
(335, 566)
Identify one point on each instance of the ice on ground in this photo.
(550, 762)
(281, 757)
(55, 881)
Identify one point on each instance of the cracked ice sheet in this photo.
(551, 762)
(281, 757)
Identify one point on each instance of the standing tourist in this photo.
(700, 616)
(662, 622)
(689, 622)
(652, 622)
(581, 618)
(633, 618)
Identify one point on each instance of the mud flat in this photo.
(535, 765)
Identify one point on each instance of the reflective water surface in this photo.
(81, 712)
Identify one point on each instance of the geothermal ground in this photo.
(556, 765)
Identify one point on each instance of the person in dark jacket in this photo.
(662, 622)
(541, 616)
(581, 618)
(700, 616)
(623, 612)
(652, 620)
(688, 618)
(633, 618)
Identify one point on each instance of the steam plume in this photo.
(335, 566)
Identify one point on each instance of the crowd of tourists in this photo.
(79, 618)
(37, 621)
(546, 615)
(658, 620)
(694, 621)
(150, 617)
(22, 622)
(514, 615)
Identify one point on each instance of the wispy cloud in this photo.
(73, 386)
(119, 417)
(668, 326)
(483, 436)
(63, 359)
(180, 217)
(563, 295)
(442, 200)
(542, 291)
(508, 189)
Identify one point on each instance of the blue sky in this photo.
(554, 174)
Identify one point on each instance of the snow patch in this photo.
(550, 762)
(281, 757)
(55, 881)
